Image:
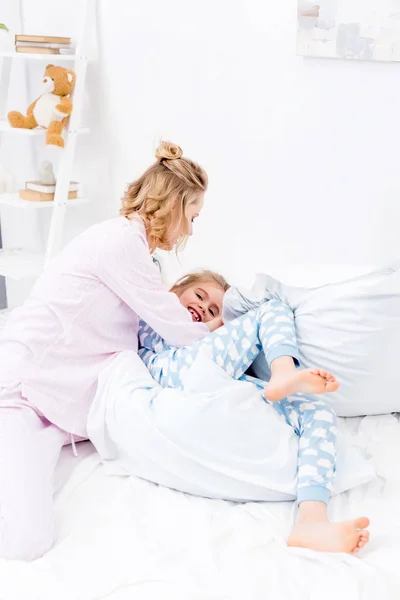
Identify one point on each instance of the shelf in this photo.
(15, 201)
(45, 57)
(5, 126)
(18, 264)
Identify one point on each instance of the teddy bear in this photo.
(52, 109)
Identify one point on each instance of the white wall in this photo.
(302, 154)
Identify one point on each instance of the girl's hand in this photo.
(215, 323)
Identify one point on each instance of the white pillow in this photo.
(217, 438)
(316, 274)
(351, 328)
(257, 438)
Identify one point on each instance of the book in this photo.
(49, 188)
(40, 197)
(42, 39)
(36, 50)
(41, 45)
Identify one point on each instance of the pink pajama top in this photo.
(81, 312)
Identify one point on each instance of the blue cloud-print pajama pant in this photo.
(268, 328)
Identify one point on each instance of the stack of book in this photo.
(35, 191)
(42, 44)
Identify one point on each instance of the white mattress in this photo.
(123, 538)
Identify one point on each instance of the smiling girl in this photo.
(268, 328)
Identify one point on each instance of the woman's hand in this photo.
(215, 323)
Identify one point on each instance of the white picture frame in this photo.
(349, 29)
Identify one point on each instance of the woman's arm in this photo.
(125, 266)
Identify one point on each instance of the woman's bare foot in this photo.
(295, 381)
(347, 536)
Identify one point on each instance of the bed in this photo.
(122, 537)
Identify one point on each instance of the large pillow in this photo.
(351, 328)
(217, 438)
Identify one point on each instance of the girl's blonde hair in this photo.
(197, 278)
(167, 188)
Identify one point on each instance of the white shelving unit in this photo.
(15, 201)
(5, 127)
(43, 57)
(18, 263)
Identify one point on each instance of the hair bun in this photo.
(168, 151)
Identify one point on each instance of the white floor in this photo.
(124, 538)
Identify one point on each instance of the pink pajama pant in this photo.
(30, 447)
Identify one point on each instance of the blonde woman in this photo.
(82, 311)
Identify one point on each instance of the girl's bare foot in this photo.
(364, 539)
(295, 381)
(347, 536)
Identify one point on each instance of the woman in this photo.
(82, 311)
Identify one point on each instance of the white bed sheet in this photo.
(123, 538)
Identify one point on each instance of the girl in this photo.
(82, 311)
(234, 347)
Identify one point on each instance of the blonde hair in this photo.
(172, 183)
(197, 278)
